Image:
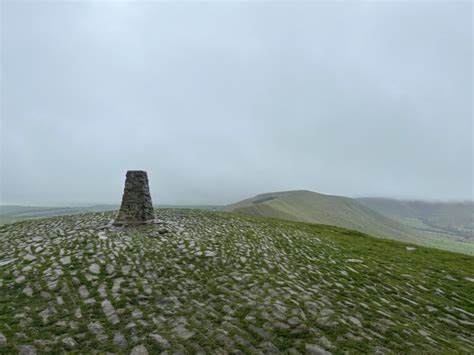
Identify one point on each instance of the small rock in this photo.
(83, 291)
(28, 291)
(98, 331)
(102, 236)
(110, 269)
(126, 269)
(410, 248)
(355, 321)
(162, 342)
(109, 311)
(103, 290)
(293, 321)
(20, 279)
(137, 314)
(314, 349)
(183, 333)
(45, 315)
(120, 341)
(78, 313)
(325, 342)
(69, 342)
(6, 262)
(26, 350)
(326, 312)
(94, 268)
(29, 257)
(139, 350)
(3, 339)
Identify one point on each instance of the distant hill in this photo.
(452, 218)
(308, 206)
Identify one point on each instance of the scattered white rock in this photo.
(97, 329)
(69, 342)
(94, 268)
(29, 257)
(355, 321)
(139, 350)
(410, 248)
(83, 291)
(6, 262)
(110, 269)
(26, 350)
(20, 279)
(354, 261)
(162, 342)
(137, 314)
(126, 269)
(102, 236)
(182, 332)
(28, 291)
(109, 311)
(313, 349)
(103, 290)
(120, 341)
(45, 315)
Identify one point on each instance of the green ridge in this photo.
(344, 212)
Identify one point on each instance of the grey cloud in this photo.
(219, 101)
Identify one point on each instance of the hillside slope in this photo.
(308, 206)
(455, 219)
(223, 283)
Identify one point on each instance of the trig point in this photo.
(136, 205)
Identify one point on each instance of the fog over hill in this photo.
(223, 100)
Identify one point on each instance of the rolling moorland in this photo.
(455, 219)
(447, 226)
(214, 282)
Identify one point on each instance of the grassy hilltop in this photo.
(362, 215)
(220, 282)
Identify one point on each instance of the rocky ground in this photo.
(207, 282)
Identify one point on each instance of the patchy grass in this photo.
(215, 281)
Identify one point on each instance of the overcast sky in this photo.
(222, 101)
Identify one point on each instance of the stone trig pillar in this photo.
(136, 205)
